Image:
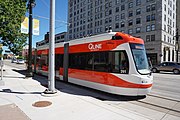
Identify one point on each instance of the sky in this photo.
(42, 12)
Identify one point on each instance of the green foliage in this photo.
(12, 13)
(20, 57)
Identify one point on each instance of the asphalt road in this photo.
(166, 84)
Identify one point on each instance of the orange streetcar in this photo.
(113, 62)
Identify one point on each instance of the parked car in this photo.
(20, 61)
(14, 60)
(167, 66)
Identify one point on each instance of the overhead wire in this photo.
(46, 4)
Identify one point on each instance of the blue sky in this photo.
(42, 12)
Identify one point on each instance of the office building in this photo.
(152, 20)
(60, 37)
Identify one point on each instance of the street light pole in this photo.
(31, 4)
(51, 69)
(51, 84)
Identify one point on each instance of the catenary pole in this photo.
(51, 83)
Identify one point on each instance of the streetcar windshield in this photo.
(140, 58)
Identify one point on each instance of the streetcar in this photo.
(112, 62)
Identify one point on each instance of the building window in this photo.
(164, 7)
(117, 17)
(152, 17)
(130, 13)
(152, 37)
(130, 31)
(110, 20)
(138, 2)
(138, 20)
(147, 38)
(122, 7)
(117, 1)
(164, 37)
(148, 18)
(138, 11)
(117, 25)
(164, 17)
(138, 30)
(110, 4)
(106, 13)
(152, 27)
(164, 27)
(106, 20)
(122, 16)
(148, 28)
(122, 24)
(110, 12)
(130, 22)
(153, 7)
(148, 8)
(130, 4)
(117, 9)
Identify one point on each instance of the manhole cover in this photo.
(42, 104)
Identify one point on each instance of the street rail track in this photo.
(164, 98)
(149, 104)
(170, 109)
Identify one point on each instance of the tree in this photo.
(12, 13)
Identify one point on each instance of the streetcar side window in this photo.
(113, 62)
(43, 61)
(100, 61)
(80, 61)
(89, 61)
(58, 61)
(118, 62)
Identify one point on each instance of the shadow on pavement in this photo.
(74, 89)
(23, 72)
(10, 91)
(12, 77)
(81, 90)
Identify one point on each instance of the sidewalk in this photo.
(18, 97)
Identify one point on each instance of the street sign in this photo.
(24, 26)
(1, 45)
(35, 27)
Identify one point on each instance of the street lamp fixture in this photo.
(30, 4)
